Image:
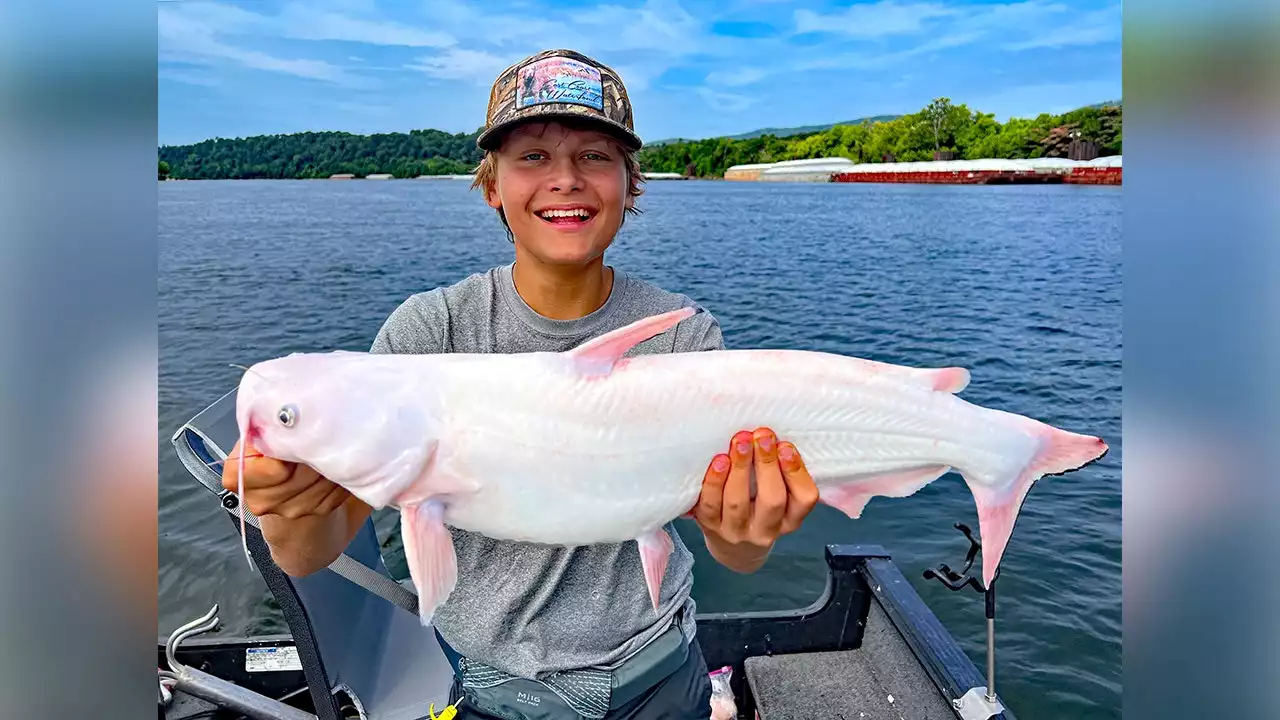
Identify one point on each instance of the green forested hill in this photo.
(321, 154)
(940, 126)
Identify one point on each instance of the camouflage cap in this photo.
(558, 83)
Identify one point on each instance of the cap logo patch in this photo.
(559, 80)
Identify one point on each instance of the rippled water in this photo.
(1019, 284)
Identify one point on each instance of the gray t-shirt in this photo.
(523, 607)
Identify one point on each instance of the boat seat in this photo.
(357, 649)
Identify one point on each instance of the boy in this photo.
(573, 627)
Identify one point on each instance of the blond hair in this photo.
(486, 177)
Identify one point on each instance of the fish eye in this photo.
(288, 415)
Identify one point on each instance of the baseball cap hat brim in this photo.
(492, 137)
(558, 84)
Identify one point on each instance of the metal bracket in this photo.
(975, 705)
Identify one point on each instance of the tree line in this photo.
(949, 130)
(941, 127)
(321, 154)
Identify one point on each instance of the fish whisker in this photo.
(249, 370)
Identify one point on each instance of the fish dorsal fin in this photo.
(598, 355)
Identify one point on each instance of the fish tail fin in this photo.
(999, 499)
(429, 552)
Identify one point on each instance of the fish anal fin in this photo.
(598, 355)
(655, 550)
(852, 495)
(428, 549)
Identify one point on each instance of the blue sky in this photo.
(694, 68)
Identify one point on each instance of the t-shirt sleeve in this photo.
(699, 332)
(418, 326)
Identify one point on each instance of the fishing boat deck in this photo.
(882, 679)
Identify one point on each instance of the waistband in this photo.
(645, 668)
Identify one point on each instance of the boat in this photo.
(869, 647)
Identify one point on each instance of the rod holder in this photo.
(956, 581)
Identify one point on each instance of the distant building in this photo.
(342, 176)
(380, 176)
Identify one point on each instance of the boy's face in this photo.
(563, 191)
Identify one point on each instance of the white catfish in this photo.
(589, 447)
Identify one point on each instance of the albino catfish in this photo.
(587, 446)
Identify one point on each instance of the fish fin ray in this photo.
(655, 550)
(429, 551)
(850, 496)
(598, 355)
(999, 500)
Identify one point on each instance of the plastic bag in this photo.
(723, 706)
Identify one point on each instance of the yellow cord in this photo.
(446, 714)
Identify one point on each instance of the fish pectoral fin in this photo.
(850, 496)
(428, 549)
(655, 550)
(598, 355)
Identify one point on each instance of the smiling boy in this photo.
(574, 627)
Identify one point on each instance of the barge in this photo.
(1101, 171)
(987, 171)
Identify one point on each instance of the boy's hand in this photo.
(290, 490)
(307, 520)
(741, 531)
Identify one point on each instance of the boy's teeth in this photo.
(564, 213)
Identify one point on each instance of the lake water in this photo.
(1021, 285)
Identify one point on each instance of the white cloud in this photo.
(187, 38)
(301, 22)
(200, 32)
(726, 102)
(639, 76)
(887, 17)
(736, 78)
(190, 78)
(1067, 36)
(658, 24)
(473, 66)
(639, 42)
(1011, 26)
(1095, 27)
(880, 60)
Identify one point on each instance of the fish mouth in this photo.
(572, 215)
(254, 436)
